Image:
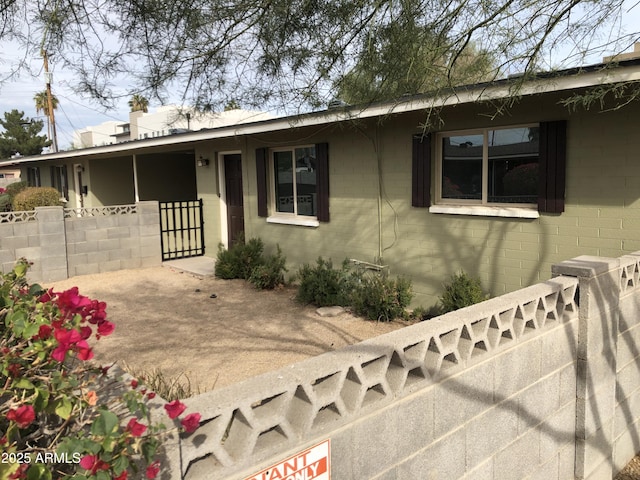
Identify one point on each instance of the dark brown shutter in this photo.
(322, 169)
(261, 174)
(421, 171)
(552, 170)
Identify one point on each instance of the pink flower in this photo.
(44, 332)
(137, 429)
(122, 476)
(151, 395)
(153, 470)
(70, 340)
(175, 408)
(22, 416)
(105, 328)
(93, 464)
(191, 422)
(70, 301)
(134, 383)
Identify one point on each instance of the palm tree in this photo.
(42, 105)
(138, 102)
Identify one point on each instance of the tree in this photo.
(42, 105)
(139, 103)
(291, 53)
(20, 135)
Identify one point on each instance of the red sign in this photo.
(311, 464)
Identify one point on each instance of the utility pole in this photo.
(52, 119)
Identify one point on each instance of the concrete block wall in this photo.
(484, 392)
(113, 238)
(86, 241)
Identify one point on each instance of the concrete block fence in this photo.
(63, 243)
(541, 383)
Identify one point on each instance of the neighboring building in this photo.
(166, 120)
(9, 175)
(502, 197)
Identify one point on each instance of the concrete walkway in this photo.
(201, 266)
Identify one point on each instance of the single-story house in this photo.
(501, 195)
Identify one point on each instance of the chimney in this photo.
(624, 56)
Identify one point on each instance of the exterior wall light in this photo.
(203, 162)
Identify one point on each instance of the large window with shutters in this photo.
(293, 184)
(488, 166)
(506, 171)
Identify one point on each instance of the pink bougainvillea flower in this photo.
(134, 383)
(191, 422)
(71, 301)
(47, 296)
(137, 429)
(20, 473)
(122, 476)
(70, 340)
(153, 470)
(14, 370)
(23, 415)
(151, 395)
(85, 332)
(105, 328)
(93, 464)
(44, 332)
(175, 408)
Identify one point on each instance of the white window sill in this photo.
(485, 211)
(291, 220)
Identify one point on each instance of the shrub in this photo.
(325, 286)
(239, 260)
(15, 188)
(270, 273)
(5, 202)
(381, 298)
(32, 197)
(461, 292)
(53, 401)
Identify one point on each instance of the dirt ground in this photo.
(216, 332)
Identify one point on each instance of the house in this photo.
(501, 196)
(165, 120)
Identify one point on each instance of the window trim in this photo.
(288, 218)
(489, 208)
(266, 185)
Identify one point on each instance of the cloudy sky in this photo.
(75, 112)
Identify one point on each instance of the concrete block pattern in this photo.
(326, 393)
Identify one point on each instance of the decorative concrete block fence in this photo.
(63, 243)
(540, 383)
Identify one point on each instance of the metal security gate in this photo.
(181, 229)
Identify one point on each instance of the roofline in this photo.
(548, 82)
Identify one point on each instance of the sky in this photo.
(75, 112)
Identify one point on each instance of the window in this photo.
(293, 184)
(489, 166)
(59, 180)
(478, 170)
(33, 176)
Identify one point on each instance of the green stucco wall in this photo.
(111, 182)
(602, 214)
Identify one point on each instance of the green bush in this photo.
(461, 292)
(32, 197)
(384, 299)
(325, 286)
(239, 260)
(270, 274)
(15, 188)
(5, 202)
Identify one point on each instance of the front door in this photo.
(233, 188)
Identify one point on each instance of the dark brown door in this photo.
(233, 187)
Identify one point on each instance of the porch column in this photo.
(135, 179)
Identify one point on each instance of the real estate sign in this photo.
(311, 464)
